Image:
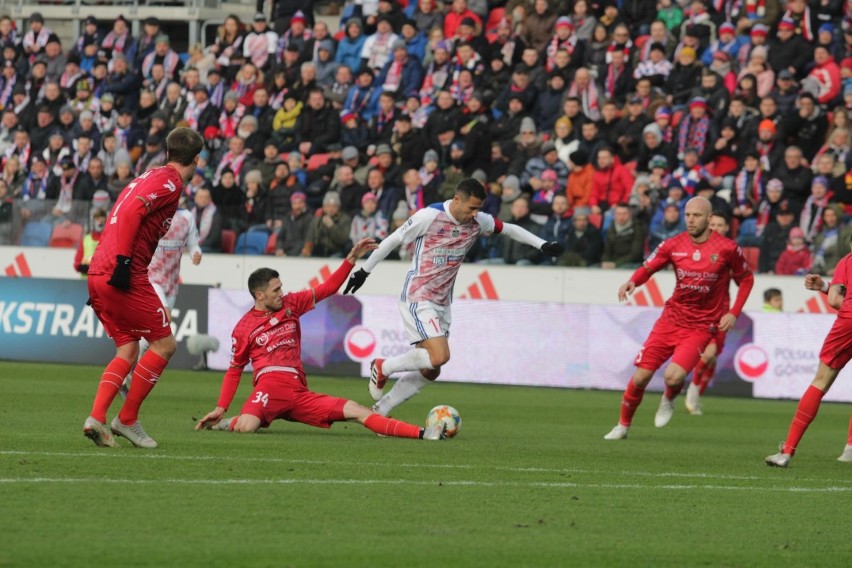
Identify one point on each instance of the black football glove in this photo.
(121, 275)
(552, 248)
(356, 280)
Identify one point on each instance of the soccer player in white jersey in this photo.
(442, 234)
(164, 269)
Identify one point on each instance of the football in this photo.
(448, 415)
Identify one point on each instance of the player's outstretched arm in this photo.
(521, 235)
(336, 280)
(230, 382)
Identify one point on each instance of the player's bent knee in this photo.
(430, 374)
(247, 423)
(165, 347)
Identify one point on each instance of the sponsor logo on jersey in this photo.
(675, 254)
(262, 339)
(696, 256)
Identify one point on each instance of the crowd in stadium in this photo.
(590, 122)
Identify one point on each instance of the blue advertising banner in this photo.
(48, 320)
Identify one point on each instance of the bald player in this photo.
(702, 260)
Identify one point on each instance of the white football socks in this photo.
(405, 388)
(414, 360)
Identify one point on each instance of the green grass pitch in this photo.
(529, 481)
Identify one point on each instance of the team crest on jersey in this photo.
(273, 321)
(696, 256)
(287, 312)
(455, 233)
(714, 258)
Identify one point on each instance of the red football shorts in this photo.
(837, 347)
(128, 315)
(282, 395)
(683, 345)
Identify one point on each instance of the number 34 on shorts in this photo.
(262, 398)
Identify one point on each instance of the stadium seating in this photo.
(229, 239)
(66, 236)
(317, 161)
(752, 256)
(36, 234)
(271, 243)
(251, 242)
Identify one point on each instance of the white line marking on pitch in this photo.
(456, 483)
(158, 456)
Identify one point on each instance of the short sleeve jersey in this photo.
(272, 340)
(164, 268)
(703, 274)
(440, 245)
(154, 196)
(843, 275)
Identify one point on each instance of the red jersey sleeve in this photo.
(840, 275)
(659, 258)
(742, 275)
(300, 303)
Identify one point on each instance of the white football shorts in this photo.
(424, 320)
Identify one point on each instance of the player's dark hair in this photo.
(470, 187)
(259, 279)
(770, 293)
(183, 145)
(722, 214)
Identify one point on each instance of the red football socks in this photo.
(698, 372)
(145, 376)
(630, 402)
(111, 381)
(672, 392)
(849, 440)
(805, 414)
(706, 377)
(391, 427)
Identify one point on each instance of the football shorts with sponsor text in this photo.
(683, 345)
(837, 347)
(425, 320)
(285, 396)
(129, 315)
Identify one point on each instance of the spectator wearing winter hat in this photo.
(402, 75)
(728, 43)
(796, 258)
(377, 48)
(789, 50)
(685, 76)
(531, 179)
(353, 131)
(696, 130)
(767, 146)
(541, 203)
(329, 232)
(368, 222)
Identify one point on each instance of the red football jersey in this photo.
(140, 217)
(272, 339)
(703, 272)
(843, 275)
